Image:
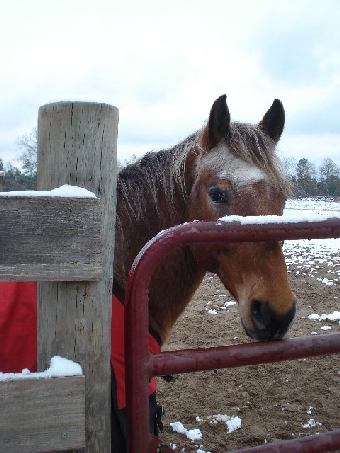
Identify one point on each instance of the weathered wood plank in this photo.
(49, 238)
(42, 415)
(77, 146)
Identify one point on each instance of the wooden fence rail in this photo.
(45, 238)
(42, 415)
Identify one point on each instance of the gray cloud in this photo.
(297, 43)
(321, 116)
(297, 46)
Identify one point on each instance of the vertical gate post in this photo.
(77, 145)
(1, 180)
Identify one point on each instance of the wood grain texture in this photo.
(48, 238)
(77, 146)
(42, 415)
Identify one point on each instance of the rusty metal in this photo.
(138, 364)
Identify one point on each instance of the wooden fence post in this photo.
(77, 146)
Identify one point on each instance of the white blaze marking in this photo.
(226, 166)
(243, 173)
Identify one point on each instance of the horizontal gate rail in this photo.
(190, 360)
(312, 444)
(141, 366)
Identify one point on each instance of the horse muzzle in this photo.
(267, 324)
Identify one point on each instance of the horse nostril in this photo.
(268, 324)
(260, 313)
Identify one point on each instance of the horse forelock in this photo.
(248, 155)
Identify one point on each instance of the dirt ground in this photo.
(274, 401)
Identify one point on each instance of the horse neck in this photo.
(143, 210)
(173, 284)
(151, 197)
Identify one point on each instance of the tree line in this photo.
(309, 181)
(306, 179)
(24, 177)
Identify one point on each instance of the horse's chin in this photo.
(265, 324)
(259, 335)
(265, 335)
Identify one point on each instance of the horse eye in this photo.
(218, 195)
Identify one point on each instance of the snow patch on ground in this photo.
(232, 422)
(335, 316)
(192, 434)
(311, 424)
(306, 257)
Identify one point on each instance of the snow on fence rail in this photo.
(67, 244)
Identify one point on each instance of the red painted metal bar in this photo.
(136, 317)
(318, 443)
(190, 360)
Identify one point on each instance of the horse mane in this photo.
(156, 174)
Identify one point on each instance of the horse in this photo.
(225, 168)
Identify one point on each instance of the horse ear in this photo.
(218, 124)
(273, 121)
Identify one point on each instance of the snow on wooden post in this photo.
(77, 146)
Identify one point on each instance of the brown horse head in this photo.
(223, 169)
(234, 171)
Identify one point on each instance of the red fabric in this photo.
(18, 326)
(18, 334)
(118, 354)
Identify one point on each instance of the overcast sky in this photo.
(163, 63)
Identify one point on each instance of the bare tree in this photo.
(329, 177)
(126, 162)
(290, 164)
(306, 184)
(28, 156)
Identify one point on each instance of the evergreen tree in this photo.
(15, 179)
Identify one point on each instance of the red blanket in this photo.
(118, 354)
(18, 334)
(18, 326)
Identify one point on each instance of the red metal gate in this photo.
(141, 366)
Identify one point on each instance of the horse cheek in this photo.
(257, 272)
(237, 280)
